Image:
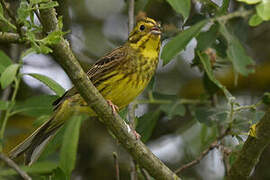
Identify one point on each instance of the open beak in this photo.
(155, 30)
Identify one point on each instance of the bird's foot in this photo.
(137, 135)
(115, 108)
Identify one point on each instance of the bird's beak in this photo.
(155, 30)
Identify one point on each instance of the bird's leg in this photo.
(115, 108)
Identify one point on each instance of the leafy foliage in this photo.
(5, 61)
(36, 105)
(242, 63)
(70, 142)
(58, 89)
(179, 42)
(262, 11)
(9, 75)
(146, 125)
(182, 7)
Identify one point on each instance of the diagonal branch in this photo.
(14, 166)
(114, 123)
(7, 37)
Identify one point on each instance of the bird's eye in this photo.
(142, 27)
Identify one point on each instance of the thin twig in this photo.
(247, 107)
(7, 37)
(132, 106)
(14, 166)
(240, 13)
(197, 160)
(130, 15)
(133, 171)
(212, 146)
(5, 96)
(116, 165)
(146, 174)
(36, 12)
(225, 151)
(8, 111)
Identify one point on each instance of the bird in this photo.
(120, 76)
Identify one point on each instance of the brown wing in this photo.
(103, 66)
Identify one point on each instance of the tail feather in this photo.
(35, 143)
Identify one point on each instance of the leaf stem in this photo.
(240, 13)
(8, 111)
(253, 106)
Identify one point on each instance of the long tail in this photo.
(37, 141)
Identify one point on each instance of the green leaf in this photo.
(9, 75)
(48, 5)
(5, 61)
(27, 52)
(255, 20)
(36, 106)
(210, 74)
(146, 124)
(203, 134)
(173, 109)
(266, 98)
(59, 174)
(123, 114)
(40, 120)
(68, 151)
(53, 38)
(23, 12)
(35, 2)
(206, 39)
(152, 84)
(58, 89)
(44, 49)
(236, 53)
(258, 115)
(179, 42)
(36, 168)
(263, 10)
(202, 114)
(224, 8)
(4, 105)
(250, 1)
(181, 6)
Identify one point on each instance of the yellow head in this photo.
(147, 32)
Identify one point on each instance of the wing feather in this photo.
(102, 67)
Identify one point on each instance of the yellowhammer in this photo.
(120, 76)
